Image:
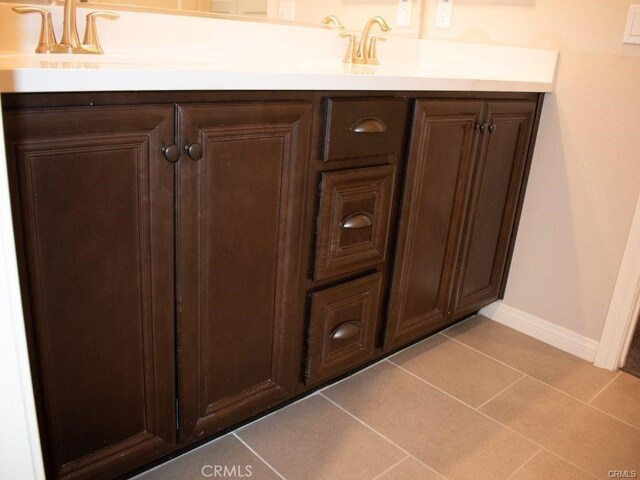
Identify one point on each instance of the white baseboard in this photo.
(543, 330)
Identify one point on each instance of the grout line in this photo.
(382, 436)
(570, 463)
(604, 388)
(478, 411)
(635, 427)
(391, 467)
(494, 420)
(525, 463)
(433, 386)
(499, 393)
(259, 456)
(548, 385)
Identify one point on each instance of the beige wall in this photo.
(585, 178)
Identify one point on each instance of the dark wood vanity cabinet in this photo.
(163, 298)
(93, 202)
(239, 244)
(286, 239)
(463, 186)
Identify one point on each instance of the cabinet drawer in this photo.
(363, 127)
(342, 329)
(353, 226)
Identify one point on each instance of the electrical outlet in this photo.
(444, 11)
(287, 10)
(404, 13)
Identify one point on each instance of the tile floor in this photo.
(478, 401)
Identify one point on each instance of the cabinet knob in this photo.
(171, 153)
(483, 128)
(346, 330)
(357, 220)
(492, 128)
(194, 151)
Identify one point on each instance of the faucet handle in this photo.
(372, 54)
(351, 48)
(47, 36)
(91, 42)
(332, 21)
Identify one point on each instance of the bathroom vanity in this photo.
(192, 259)
(197, 253)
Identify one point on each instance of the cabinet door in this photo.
(492, 211)
(93, 201)
(240, 219)
(436, 190)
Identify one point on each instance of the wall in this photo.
(585, 178)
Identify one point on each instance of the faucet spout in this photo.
(70, 37)
(365, 48)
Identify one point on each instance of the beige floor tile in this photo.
(225, 455)
(578, 433)
(454, 439)
(544, 362)
(314, 439)
(546, 466)
(621, 399)
(456, 369)
(410, 469)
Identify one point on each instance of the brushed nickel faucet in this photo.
(365, 51)
(70, 42)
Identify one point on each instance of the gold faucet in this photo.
(70, 42)
(365, 51)
(332, 21)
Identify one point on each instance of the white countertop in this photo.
(227, 55)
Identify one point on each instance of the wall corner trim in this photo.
(543, 330)
(624, 308)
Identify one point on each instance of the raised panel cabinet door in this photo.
(93, 202)
(240, 219)
(436, 190)
(492, 210)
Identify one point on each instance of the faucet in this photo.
(70, 42)
(365, 51)
(70, 38)
(332, 21)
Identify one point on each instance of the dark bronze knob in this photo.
(483, 128)
(171, 153)
(194, 151)
(492, 128)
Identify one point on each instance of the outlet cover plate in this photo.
(632, 32)
(444, 11)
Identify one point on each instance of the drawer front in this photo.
(353, 226)
(343, 327)
(363, 127)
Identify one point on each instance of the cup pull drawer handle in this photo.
(369, 125)
(357, 220)
(346, 330)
